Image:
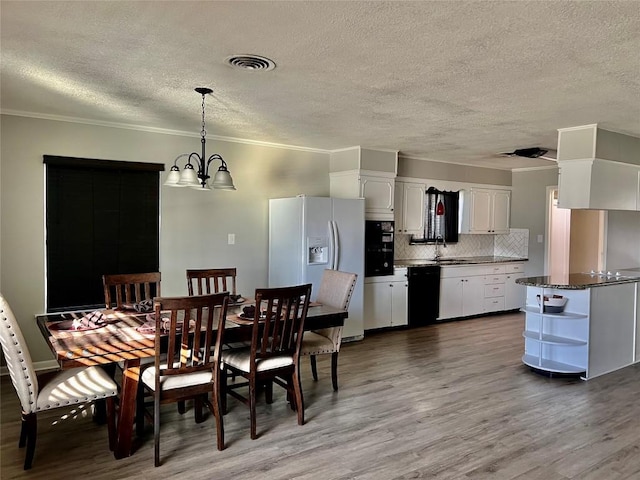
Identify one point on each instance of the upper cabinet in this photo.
(598, 169)
(377, 189)
(409, 208)
(365, 173)
(486, 211)
(378, 194)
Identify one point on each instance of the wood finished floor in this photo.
(449, 401)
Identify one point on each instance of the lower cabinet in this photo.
(460, 296)
(467, 290)
(385, 300)
(514, 294)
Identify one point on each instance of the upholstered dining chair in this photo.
(190, 367)
(124, 289)
(336, 289)
(211, 280)
(273, 357)
(55, 390)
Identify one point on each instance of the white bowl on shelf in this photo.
(553, 304)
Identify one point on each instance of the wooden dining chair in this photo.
(125, 289)
(189, 368)
(277, 329)
(336, 289)
(54, 390)
(211, 280)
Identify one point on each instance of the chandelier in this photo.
(199, 179)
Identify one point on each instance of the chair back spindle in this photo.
(130, 288)
(211, 280)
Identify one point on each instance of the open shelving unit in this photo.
(557, 342)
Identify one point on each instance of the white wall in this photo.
(623, 240)
(194, 225)
(528, 204)
(528, 210)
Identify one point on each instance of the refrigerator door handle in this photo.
(332, 245)
(336, 243)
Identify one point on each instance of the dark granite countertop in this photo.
(577, 281)
(456, 261)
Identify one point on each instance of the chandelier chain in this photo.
(203, 133)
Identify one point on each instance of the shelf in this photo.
(553, 339)
(550, 365)
(564, 315)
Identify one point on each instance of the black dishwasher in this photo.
(424, 294)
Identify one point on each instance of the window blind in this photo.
(102, 217)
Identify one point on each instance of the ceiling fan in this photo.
(532, 152)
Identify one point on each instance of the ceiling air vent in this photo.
(250, 62)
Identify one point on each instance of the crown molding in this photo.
(163, 131)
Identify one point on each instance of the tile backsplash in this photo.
(513, 244)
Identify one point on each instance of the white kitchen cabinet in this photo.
(409, 208)
(467, 290)
(494, 286)
(473, 300)
(501, 211)
(514, 294)
(462, 291)
(450, 298)
(377, 189)
(486, 211)
(385, 300)
(378, 194)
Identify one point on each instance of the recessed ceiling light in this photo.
(250, 62)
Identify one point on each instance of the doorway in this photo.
(575, 239)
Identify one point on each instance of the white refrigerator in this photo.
(310, 234)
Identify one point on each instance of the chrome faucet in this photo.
(444, 244)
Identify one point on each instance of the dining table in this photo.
(121, 337)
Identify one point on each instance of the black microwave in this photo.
(378, 245)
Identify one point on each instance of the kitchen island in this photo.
(597, 332)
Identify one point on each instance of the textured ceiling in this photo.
(452, 81)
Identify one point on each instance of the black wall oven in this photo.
(378, 244)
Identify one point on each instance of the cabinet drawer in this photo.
(496, 290)
(463, 271)
(491, 279)
(495, 269)
(494, 304)
(514, 268)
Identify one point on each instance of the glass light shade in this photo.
(173, 178)
(188, 178)
(222, 180)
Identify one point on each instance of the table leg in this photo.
(130, 378)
